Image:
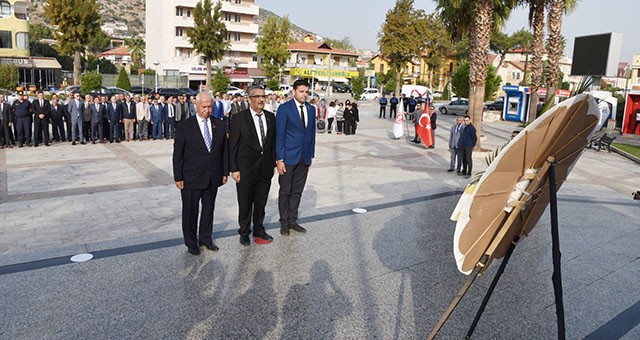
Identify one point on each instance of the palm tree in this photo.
(137, 48)
(536, 21)
(555, 45)
(478, 18)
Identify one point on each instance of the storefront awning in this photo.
(240, 78)
(46, 63)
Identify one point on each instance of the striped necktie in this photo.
(207, 134)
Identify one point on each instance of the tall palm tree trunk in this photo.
(554, 48)
(479, 38)
(536, 60)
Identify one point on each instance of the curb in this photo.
(625, 154)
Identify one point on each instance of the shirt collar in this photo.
(253, 113)
(298, 104)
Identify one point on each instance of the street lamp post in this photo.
(313, 78)
(156, 63)
(627, 76)
(329, 76)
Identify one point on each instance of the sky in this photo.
(361, 19)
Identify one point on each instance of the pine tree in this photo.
(78, 21)
(208, 35)
(123, 81)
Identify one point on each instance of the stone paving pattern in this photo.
(385, 274)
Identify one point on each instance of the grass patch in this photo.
(632, 149)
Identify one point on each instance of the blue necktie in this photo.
(207, 135)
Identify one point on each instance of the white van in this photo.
(416, 91)
(369, 94)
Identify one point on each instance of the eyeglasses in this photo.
(258, 96)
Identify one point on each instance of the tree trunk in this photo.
(399, 82)
(554, 50)
(76, 67)
(479, 38)
(207, 85)
(536, 61)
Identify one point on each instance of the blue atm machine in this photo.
(516, 101)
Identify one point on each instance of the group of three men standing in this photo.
(256, 142)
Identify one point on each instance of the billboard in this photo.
(596, 55)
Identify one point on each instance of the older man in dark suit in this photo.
(5, 123)
(98, 112)
(252, 161)
(200, 166)
(57, 120)
(41, 115)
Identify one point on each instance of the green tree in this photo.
(220, 82)
(123, 81)
(357, 85)
(106, 66)
(208, 34)
(99, 42)
(38, 32)
(397, 38)
(8, 76)
(502, 43)
(273, 47)
(90, 81)
(272, 83)
(137, 48)
(77, 21)
(343, 44)
(437, 44)
(460, 82)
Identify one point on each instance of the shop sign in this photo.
(308, 73)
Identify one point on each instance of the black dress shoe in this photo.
(211, 246)
(93, 142)
(35, 145)
(83, 143)
(47, 144)
(244, 240)
(284, 231)
(298, 228)
(450, 170)
(193, 251)
(264, 236)
(72, 143)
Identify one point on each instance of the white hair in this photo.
(203, 94)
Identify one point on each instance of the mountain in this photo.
(297, 32)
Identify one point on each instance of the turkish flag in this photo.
(424, 127)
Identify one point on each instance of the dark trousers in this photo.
(467, 161)
(23, 129)
(191, 200)
(96, 130)
(58, 130)
(340, 124)
(41, 128)
(67, 122)
(252, 198)
(393, 111)
(86, 130)
(5, 139)
(114, 131)
(383, 111)
(170, 129)
(330, 120)
(291, 187)
(348, 126)
(157, 129)
(105, 129)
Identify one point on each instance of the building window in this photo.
(178, 11)
(188, 53)
(237, 36)
(381, 68)
(238, 2)
(188, 13)
(5, 39)
(238, 17)
(228, 36)
(5, 8)
(227, 16)
(22, 40)
(254, 57)
(179, 31)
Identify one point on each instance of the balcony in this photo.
(182, 41)
(242, 27)
(251, 9)
(241, 46)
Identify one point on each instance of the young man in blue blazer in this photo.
(295, 149)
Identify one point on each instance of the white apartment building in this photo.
(168, 49)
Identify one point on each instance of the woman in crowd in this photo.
(340, 118)
(356, 117)
(348, 118)
(321, 112)
(331, 116)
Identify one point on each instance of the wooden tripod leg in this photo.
(456, 301)
(555, 246)
(492, 287)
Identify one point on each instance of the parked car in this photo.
(370, 94)
(341, 88)
(69, 90)
(455, 107)
(170, 91)
(141, 90)
(235, 91)
(189, 91)
(284, 89)
(111, 90)
(497, 105)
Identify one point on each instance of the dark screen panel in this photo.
(590, 55)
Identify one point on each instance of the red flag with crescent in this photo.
(424, 127)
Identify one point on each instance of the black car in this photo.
(141, 90)
(189, 92)
(171, 91)
(498, 105)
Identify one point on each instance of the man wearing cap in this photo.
(22, 111)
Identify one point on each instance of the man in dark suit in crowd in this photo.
(98, 111)
(171, 118)
(295, 148)
(156, 119)
(22, 111)
(76, 111)
(165, 117)
(114, 113)
(67, 115)
(182, 109)
(128, 109)
(252, 161)
(57, 120)
(466, 143)
(41, 115)
(5, 123)
(200, 166)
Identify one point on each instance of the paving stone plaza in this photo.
(388, 273)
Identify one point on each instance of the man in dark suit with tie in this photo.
(200, 166)
(251, 161)
(114, 113)
(57, 120)
(41, 115)
(5, 122)
(295, 148)
(97, 116)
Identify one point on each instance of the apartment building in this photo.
(169, 51)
